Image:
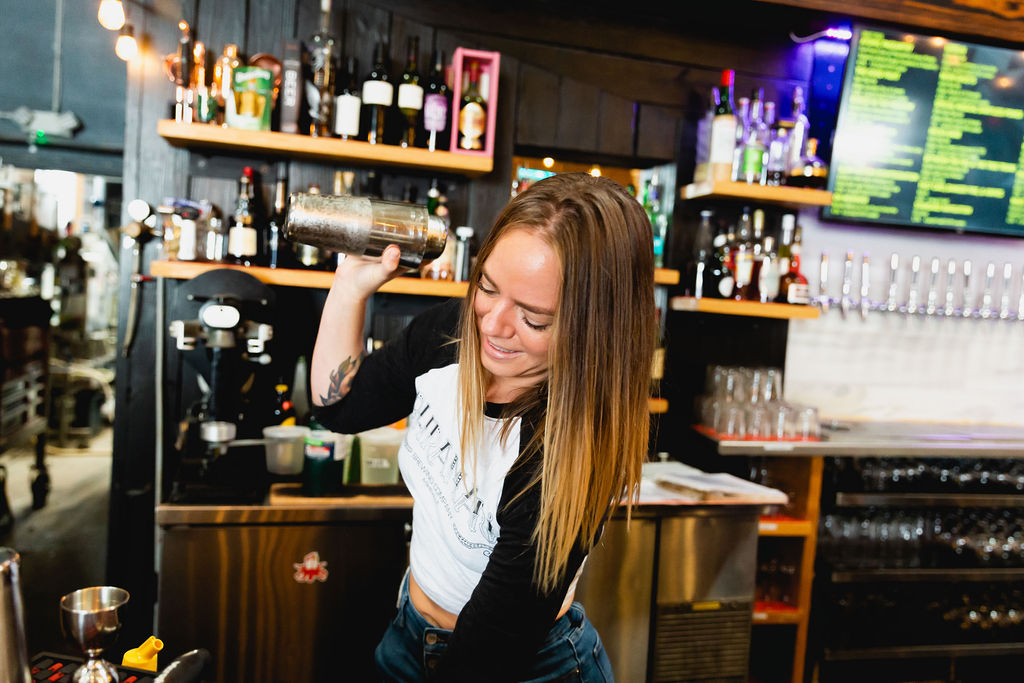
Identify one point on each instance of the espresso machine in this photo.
(222, 323)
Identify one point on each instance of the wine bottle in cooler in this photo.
(378, 95)
(410, 94)
(472, 112)
(436, 105)
(347, 103)
(320, 90)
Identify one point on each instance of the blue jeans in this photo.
(411, 648)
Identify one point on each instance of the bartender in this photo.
(528, 421)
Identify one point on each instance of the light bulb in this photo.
(111, 14)
(126, 48)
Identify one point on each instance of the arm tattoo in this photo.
(341, 380)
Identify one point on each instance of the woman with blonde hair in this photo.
(528, 423)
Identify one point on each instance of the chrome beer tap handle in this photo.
(845, 302)
(912, 296)
(950, 306)
(966, 296)
(894, 269)
(823, 300)
(865, 285)
(933, 289)
(985, 308)
(1004, 296)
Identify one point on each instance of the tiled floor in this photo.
(63, 546)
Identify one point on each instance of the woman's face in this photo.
(515, 307)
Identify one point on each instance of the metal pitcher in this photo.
(14, 666)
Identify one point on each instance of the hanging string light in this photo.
(126, 48)
(111, 15)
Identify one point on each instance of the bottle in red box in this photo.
(472, 112)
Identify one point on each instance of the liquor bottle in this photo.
(472, 112)
(718, 280)
(757, 251)
(275, 248)
(769, 276)
(811, 171)
(723, 130)
(701, 263)
(776, 161)
(743, 260)
(755, 137)
(436, 105)
(742, 124)
(378, 95)
(243, 239)
(659, 220)
(726, 249)
(801, 127)
(347, 103)
(793, 287)
(443, 267)
(410, 93)
(320, 87)
(785, 252)
(223, 70)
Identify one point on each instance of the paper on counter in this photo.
(679, 484)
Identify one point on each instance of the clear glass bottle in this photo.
(320, 91)
(742, 125)
(223, 70)
(798, 136)
(743, 258)
(755, 139)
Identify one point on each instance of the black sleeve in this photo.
(505, 622)
(384, 388)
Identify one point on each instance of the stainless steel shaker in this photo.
(362, 226)
(14, 666)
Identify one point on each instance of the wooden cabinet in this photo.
(751, 333)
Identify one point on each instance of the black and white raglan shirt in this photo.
(471, 549)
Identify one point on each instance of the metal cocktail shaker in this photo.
(13, 649)
(365, 227)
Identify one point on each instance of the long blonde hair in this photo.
(596, 424)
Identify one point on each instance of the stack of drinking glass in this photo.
(745, 403)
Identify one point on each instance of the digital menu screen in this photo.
(929, 134)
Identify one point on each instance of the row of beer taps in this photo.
(936, 297)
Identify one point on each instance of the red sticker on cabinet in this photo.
(311, 569)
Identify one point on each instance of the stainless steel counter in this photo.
(893, 439)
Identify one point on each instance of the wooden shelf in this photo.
(665, 276)
(795, 528)
(746, 308)
(770, 614)
(727, 189)
(316, 279)
(206, 136)
(321, 279)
